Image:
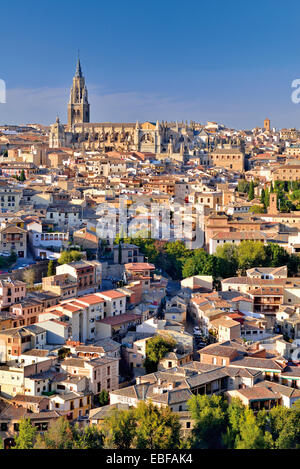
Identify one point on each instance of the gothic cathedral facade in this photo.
(160, 138)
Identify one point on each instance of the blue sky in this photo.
(228, 61)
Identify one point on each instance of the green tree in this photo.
(251, 191)
(236, 411)
(199, 263)
(176, 253)
(210, 416)
(91, 437)
(284, 204)
(120, 251)
(256, 209)
(59, 436)
(267, 198)
(119, 429)
(295, 195)
(69, 256)
(243, 186)
(229, 252)
(251, 254)
(157, 428)
(156, 348)
(284, 426)
(177, 249)
(63, 353)
(262, 197)
(27, 435)
(103, 397)
(51, 269)
(202, 263)
(277, 256)
(251, 435)
(22, 177)
(293, 264)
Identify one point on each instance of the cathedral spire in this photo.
(78, 107)
(78, 73)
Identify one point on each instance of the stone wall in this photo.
(112, 270)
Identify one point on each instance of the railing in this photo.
(267, 301)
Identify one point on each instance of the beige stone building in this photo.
(228, 158)
(13, 238)
(102, 373)
(227, 328)
(288, 172)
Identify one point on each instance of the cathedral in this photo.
(160, 138)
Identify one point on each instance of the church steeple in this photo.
(78, 73)
(78, 108)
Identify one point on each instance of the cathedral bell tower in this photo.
(78, 107)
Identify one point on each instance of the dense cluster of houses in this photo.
(69, 334)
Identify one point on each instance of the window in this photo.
(4, 427)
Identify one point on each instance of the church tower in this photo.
(57, 135)
(273, 210)
(267, 124)
(78, 107)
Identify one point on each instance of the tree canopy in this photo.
(251, 191)
(27, 435)
(216, 424)
(51, 269)
(103, 397)
(156, 348)
(69, 256)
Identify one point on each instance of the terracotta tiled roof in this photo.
(120, 319)
(112, 294)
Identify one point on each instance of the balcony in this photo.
(267, 301)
